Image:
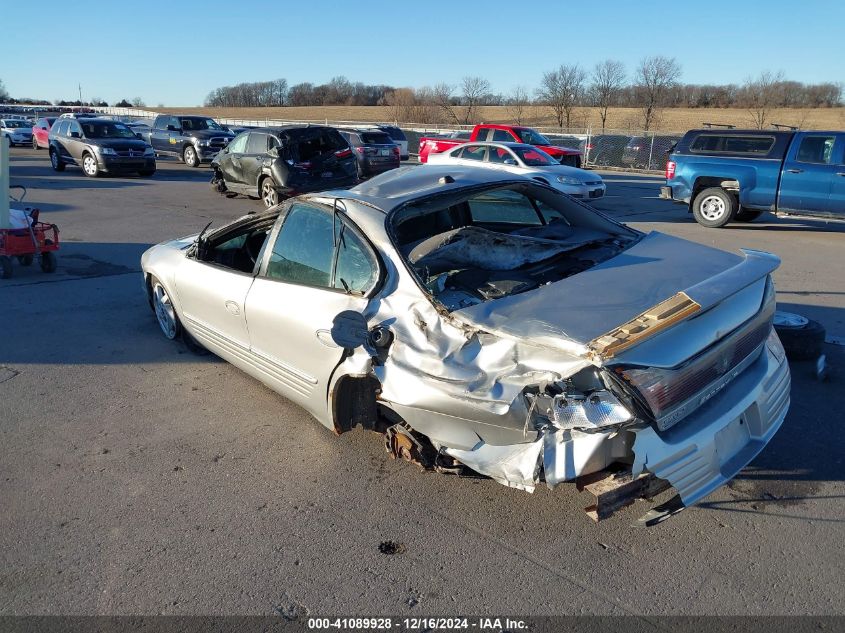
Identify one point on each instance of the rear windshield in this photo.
(316, 143)
(375, 138)
(733, 144)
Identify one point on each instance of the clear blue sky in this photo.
(175, 52)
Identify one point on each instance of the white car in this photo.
(525, 160)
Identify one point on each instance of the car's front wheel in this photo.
(55, 161)
(714, 207)
(164, 310)
(269, 193)
(35, 143)
(89, 166)
(189, 155)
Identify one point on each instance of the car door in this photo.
(808, 173)
(230, 162)
(837, 185)
(158, 133)
(308, 277)
(212, 299)
(74, 144)
(251, 160)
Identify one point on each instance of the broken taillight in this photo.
(396, 150)
(343, 153)
(670, 170)
(303, 165)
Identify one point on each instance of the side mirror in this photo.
(510, 161)
(138, 134)
(74, 135)
(273, 152)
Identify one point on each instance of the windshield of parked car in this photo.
(532, 137)
(192, 123)
(534, 157)
(106, 129)
(375, 138)
(11, 123)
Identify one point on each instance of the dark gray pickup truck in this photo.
(192, 139)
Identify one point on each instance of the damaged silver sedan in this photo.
(490, 323)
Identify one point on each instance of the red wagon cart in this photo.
(37, 239)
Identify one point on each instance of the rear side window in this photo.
(503, 207)
(473, 152)
(304, 248)
(375, 138)
(816, 149)
(355, 270)
(238, 145)
(733, 144)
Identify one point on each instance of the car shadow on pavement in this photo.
(805, 455)
(92, 311)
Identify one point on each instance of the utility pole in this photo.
(80, 93)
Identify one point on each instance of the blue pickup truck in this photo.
(735, 175)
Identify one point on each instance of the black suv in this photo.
(284, 161)
(98, 146)
(374, 150)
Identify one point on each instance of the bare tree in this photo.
(475, 91)
(443, 97)
(656, 77)
(561, 90)
(761, 96)
(608, 79)
(4, 95)
(400, 103)
(138, 102)
(518, 104)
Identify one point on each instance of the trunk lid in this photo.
(664, 277)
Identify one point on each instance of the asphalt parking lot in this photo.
(137, 478)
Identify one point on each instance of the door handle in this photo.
(233, 307)
(795, 171)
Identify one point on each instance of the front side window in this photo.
(531, 137)
(304, 249)
(257, 143)
(238, 145)
(499, 155)
(502, 136)
(816, 149)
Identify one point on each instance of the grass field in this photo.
(670, 119)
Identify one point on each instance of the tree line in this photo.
(652, 85)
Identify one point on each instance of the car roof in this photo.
(276, 129)
(399, 186)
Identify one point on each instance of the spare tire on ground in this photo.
(802, 338)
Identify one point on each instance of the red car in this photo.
(502, 134)
(40, 131)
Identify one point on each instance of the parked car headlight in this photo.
(776, 347)
(149, 151)
(598, 409)
(107, 151)
(568, 180)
